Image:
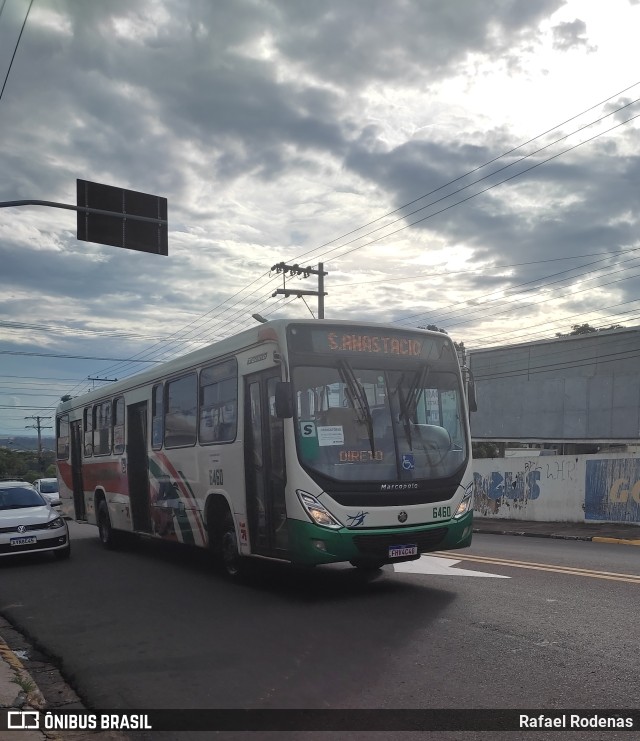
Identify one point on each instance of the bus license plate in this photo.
(28, 540)
(398, 551)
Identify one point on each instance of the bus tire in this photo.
(233, 563)
(107, 535)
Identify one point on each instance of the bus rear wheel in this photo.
(232, 562)
(107, 535)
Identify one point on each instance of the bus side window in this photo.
(102, 428)
(88, 431)
(180, 418)
(219, 403)
(62, 436)
(118, 426)
(157, 417)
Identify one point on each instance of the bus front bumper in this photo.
(311, 544)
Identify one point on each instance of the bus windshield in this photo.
(379, 424)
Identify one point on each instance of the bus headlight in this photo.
(319, 515)
(465, 506)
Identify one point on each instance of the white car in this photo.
(49, 490)
(29, 524)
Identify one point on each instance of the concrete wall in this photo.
(567, 488)
(581, 388)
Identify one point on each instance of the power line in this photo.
(561, 365)
(471, 172)
(499, 303)
(495, 184)
(26, 393)
(541, 333)
(220, 318)
(22, 326)
(490, 187)
(4, 84)
(446, 274)
(426, 195)
(21, 406)
(74, 357)
(39, 378)
(490, 175)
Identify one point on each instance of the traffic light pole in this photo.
(84, 209)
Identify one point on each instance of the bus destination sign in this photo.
(362, 341)
(373, 343)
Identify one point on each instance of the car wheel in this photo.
(107, 535)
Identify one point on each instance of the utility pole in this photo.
(39, 427)
(95, 378)
(281, 267)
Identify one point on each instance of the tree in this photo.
(586, 328)
(485, 450)
(24, 464)
(435, 328)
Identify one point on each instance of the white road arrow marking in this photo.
(440, 566)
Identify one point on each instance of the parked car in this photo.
(29, 524)
(49, 490)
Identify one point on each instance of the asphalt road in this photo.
(509, 623)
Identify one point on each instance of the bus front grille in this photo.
(378, 545)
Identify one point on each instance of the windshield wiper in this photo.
(409, 403)
(359, 397)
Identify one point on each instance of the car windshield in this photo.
(19, 497)
(379, 424)
(49, 486)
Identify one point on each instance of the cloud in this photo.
(273, 128)
(572, 35)
(357, 43)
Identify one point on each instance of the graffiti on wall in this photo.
(612, 490)
(511, 488)
(515, 489)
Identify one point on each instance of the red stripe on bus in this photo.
(185, 491)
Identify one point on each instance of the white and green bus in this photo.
(307, 442)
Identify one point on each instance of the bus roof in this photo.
(272, 330)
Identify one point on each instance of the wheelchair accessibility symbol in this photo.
(408, 462)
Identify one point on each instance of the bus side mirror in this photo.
(473, 404)
(470, 383)
(284, 400)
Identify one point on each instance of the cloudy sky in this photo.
(469, 164)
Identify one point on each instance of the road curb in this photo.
(30, 696)
(620, 541)
(557, 536)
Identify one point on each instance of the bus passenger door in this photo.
(264, 466)
(138, 466)
(76, 470)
